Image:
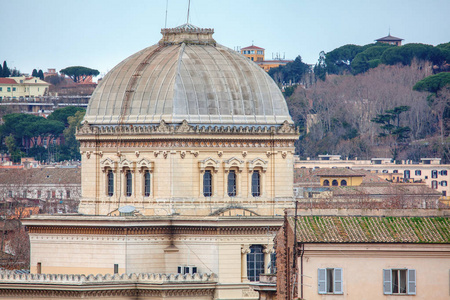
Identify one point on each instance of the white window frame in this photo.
(337, 277)
(411, 280)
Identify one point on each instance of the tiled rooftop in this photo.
(333, 229)
(40, 176)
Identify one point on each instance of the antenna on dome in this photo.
(189, 6)
(167, 5)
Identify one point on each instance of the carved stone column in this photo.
(245, 249)
(268, 250)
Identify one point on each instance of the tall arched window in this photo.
(207, 184)
(110, 183)
(232, 183)
(255, 262)
(147, 183)
(334, 183)
(326, 182)
(129, 183)
(256, 184)
(343, 182)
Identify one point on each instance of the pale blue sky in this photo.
(100, 33)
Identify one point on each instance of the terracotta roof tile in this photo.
(7, 81)
(339, 172)
(350, 229)
(41, 176)
(252, 47)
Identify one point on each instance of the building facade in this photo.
(364, 257)
(257, 54)
(428, 170)
(21, 87)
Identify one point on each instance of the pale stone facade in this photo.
(177, 160)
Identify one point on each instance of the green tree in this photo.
(79, 73)
(292, 72)
(62, 114)
(69, 134)
(390, 123)
(433, 83)
(13, 150)
(5, 70)
(40, 74)
(34, 73)
(367, 59)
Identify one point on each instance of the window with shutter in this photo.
(411, 282)
(338, 281)
(322, 281)
(387, 281)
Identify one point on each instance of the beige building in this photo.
(22, 87)
(428, 170)
(187, 166)
(375, 255)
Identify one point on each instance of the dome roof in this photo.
(187, 76)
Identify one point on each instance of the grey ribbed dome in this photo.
(187, 76)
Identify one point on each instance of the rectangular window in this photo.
(39, 193)
(24, 194)
(256, 184)
(110, 183)
(444, 172)
(67, 194)
(399, 281)
(1, 89)
(8, 89)
(207, 184)
(53, 194)
(232, 183)
(14, 89)
(49, 194)
(407, 174)
(330, 281)
(116, 268)
(418, 172)
(434, 184)
(147, 183)
(129, 182)
(434, 174)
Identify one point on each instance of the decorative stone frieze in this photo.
(183, 128)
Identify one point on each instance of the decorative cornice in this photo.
(183, 128)
(163, 230)
(183, 143)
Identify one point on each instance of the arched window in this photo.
(232, 183)
(343, 182)
(255, 262)
(129, 183)
(256, 184)
(146, 183)
(334, 183)
(110, 183)
(207, 184)
(326, 182)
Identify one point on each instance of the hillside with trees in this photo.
(22, 135)
(376, 100)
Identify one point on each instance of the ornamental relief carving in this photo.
(183, 128)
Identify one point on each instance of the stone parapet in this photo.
(77, 279)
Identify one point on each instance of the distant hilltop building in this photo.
(16, 87)
(391, 40)
(257, 54)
